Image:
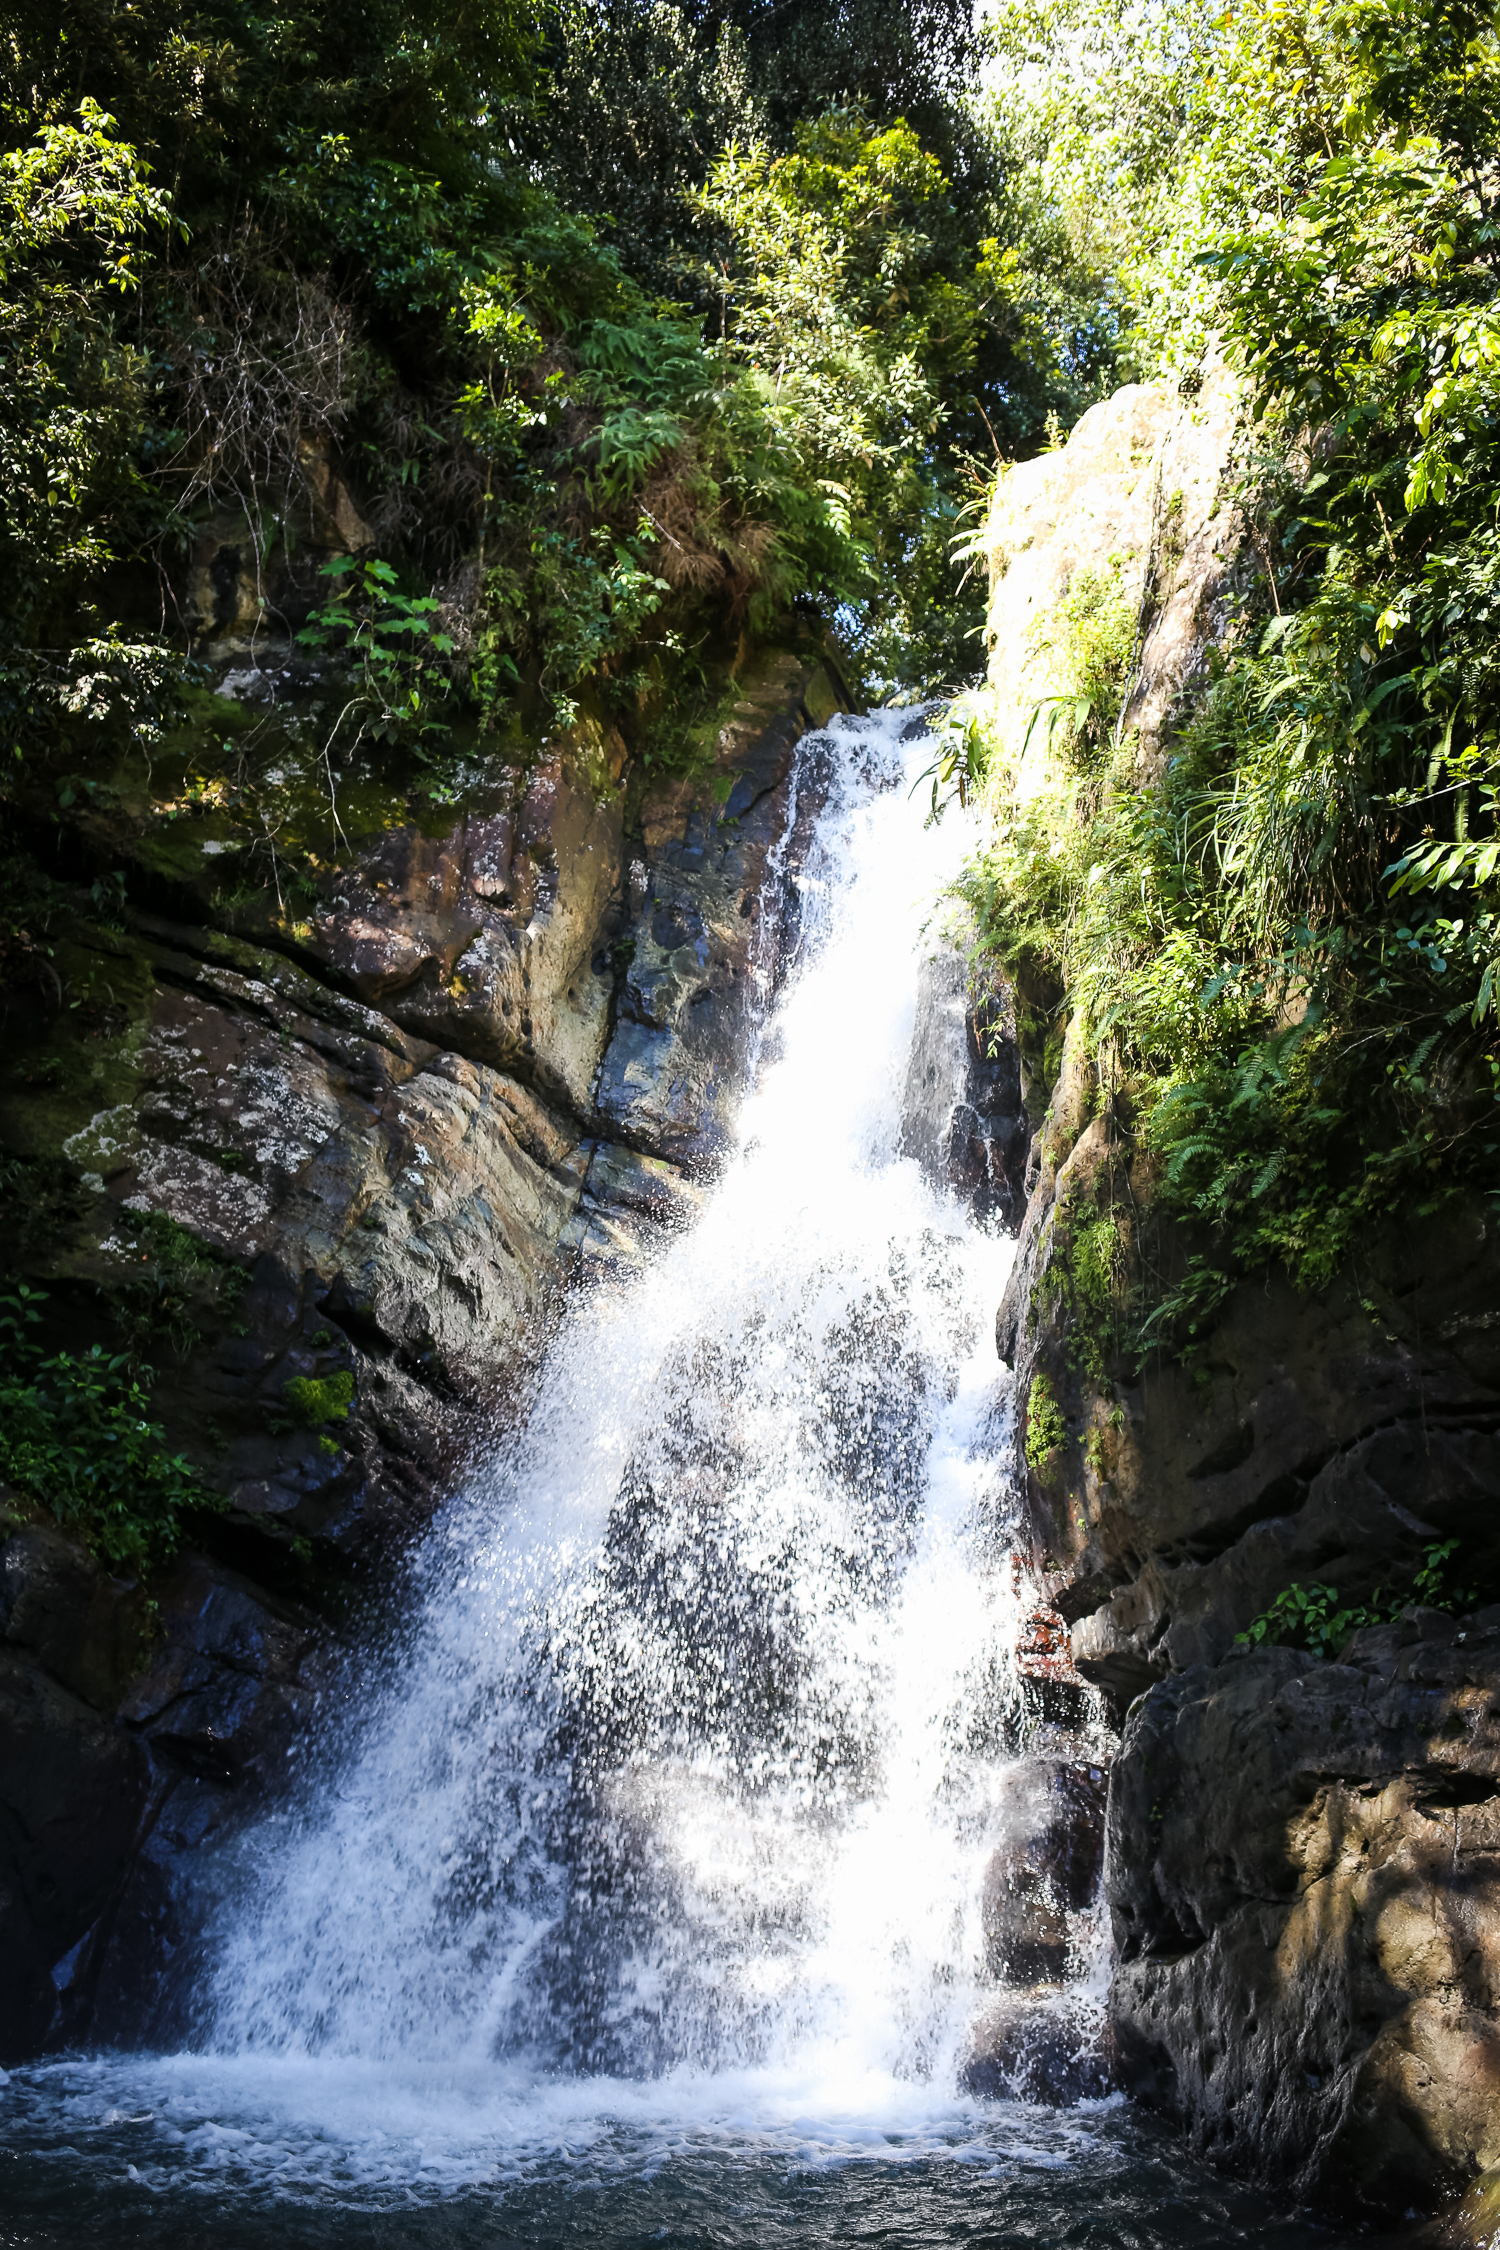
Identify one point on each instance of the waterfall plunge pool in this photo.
(196, 2153)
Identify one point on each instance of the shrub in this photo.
(1312, 1616)
(316, 1399)
(76, 1442)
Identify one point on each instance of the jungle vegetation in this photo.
(1283, 949)
(545, 359)
(519, 370)
(629, 328)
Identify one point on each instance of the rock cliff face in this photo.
(373, 1136)
(1300, 1868)
(1304, 1882)
(963, 1116)
(1137, 492)
(1329, 1437)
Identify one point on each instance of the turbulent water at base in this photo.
(640, 1900)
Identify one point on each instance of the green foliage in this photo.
(1313, 1617)
(1310, 1617)
(643, 94)
(389, 641)
(915, 59)
(640, 98)
(1148, 134)
(78, 218)
(175, 1290)
(429, 248)
(840, 296)
(1285, 943)
(1046, 1429)
(77, 1445)
(239, 95)
(872, 309)
(1087, 1274)
(961, 760)
(1095, 636)
(74, 205)
(317, 1399)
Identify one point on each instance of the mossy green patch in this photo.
(318, 1399)
(1046, 1430)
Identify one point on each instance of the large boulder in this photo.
(1303, 1876)
(1046, 1870)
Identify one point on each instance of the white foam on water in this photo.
(667, 1819)
(301, 2128)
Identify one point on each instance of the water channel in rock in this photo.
(644, 1887)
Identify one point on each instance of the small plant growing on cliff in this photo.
(318, 1399)
(1045, 1428)
(76, 1445)
(391, 643)
(1312, 1616)
(171, 1286)
(1092, 637)
(960, 763)
(1309, 1617)
(1087, 1273)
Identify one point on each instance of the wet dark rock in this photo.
(1470, 2224)
(233, 1681)
(1038, 2045)
(83, 1626)
(962, 1113)
(1047, 1869)
(205, 1731)
(703, 932)
(1307, 1925)
(627, 1199)
(1331, 1437)
(73, 1788)
(232, 1690)
(1303, 1876)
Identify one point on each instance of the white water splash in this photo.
(668, 1775)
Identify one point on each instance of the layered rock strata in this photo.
(495, 1054)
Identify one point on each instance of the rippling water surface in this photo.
(174, 2154)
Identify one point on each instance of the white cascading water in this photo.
(676, 1798)
(671, 1772)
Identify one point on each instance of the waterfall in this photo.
(678, 1794)
(687, 1763)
